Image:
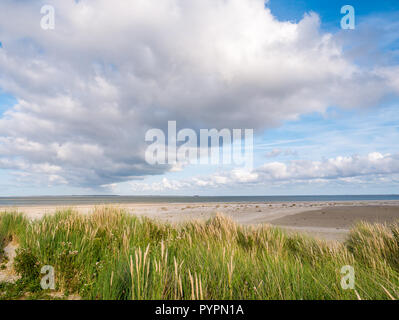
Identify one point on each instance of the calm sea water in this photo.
(80, 200)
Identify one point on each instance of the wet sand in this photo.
(341, 217)
(326, 220)
(335, 222)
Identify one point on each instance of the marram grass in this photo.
(112, 255)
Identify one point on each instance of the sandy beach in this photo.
(326, 220)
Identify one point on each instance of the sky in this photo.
(77, 101)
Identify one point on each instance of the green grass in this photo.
(10, 224)
(112, 255)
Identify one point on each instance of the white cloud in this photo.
(164, 184)
(339, 167)
(354, 169)
(88, 90)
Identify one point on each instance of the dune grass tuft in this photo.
(112, 255)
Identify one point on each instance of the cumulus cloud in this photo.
(88, 90)
(351, 169)
(340, 167)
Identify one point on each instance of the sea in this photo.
(93, 200)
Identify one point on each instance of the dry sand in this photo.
(327, 220)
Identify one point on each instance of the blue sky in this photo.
(315, 136)
(7, 101)
(329, 11)
(320, 144)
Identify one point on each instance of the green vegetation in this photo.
(10, 223)
(112, 255)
